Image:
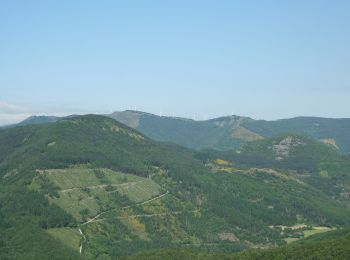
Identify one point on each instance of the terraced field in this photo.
(140, 191)
(104, 201)
(81, 177)
(85, 192)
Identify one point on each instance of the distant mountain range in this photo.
(228, 132)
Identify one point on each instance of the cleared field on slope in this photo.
(69, 236)
(308, 233)
(86, 192)
(85, 177)
(140, 191)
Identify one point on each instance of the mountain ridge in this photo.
(227, 132)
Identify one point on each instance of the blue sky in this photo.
(263, 59)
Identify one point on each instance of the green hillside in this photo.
(332, 245)
(95, 188)
(329, 130)
(221, 133)
(226, 133)
(230, 132)
(310, 161)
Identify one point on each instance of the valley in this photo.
(103, 190)
(174, 130)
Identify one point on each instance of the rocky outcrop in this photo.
(283, 148)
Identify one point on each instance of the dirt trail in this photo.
(82, 242)
(127, 184)
(94, 219)
(150, 215)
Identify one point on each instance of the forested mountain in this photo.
(90, 187)
(334, 132)
(228, 132)
(231, 131)
(221, 133)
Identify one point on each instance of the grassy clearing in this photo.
(291, 239)
(68, 236)
(316, 230)
(308, 233)
(75, 201)
(141, 191)
(84, 177)
(95, 190)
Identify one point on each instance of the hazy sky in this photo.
(263, 59)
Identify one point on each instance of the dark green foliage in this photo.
(24, 215)
(314, 127)
(214, 133)
(46, 186)
(206, 203)
(19, 201)
(217, 133)
(306, 161)
(334, 245)
(23, 240)
(101, 176)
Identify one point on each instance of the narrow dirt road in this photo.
(82, 242)
(94, 219)
(150, 215)
(127, 184)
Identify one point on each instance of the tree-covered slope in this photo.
(312, 162)
(232, 131)
(332, 245)
(221, 133)
(332, 131)
(226, 133)
(93, 187)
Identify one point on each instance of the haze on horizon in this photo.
(262, 59)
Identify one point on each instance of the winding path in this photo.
(82, 242)
(151, 215)
(127, 184)
(94, 219)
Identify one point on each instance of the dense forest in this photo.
(334, 245)
(94, 188)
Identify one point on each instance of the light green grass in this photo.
(68, 236)
(308, 233)
(82, 177)
(316, 230)
(291, 239)
(75, 201)
(141, 191)
(79, 189)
